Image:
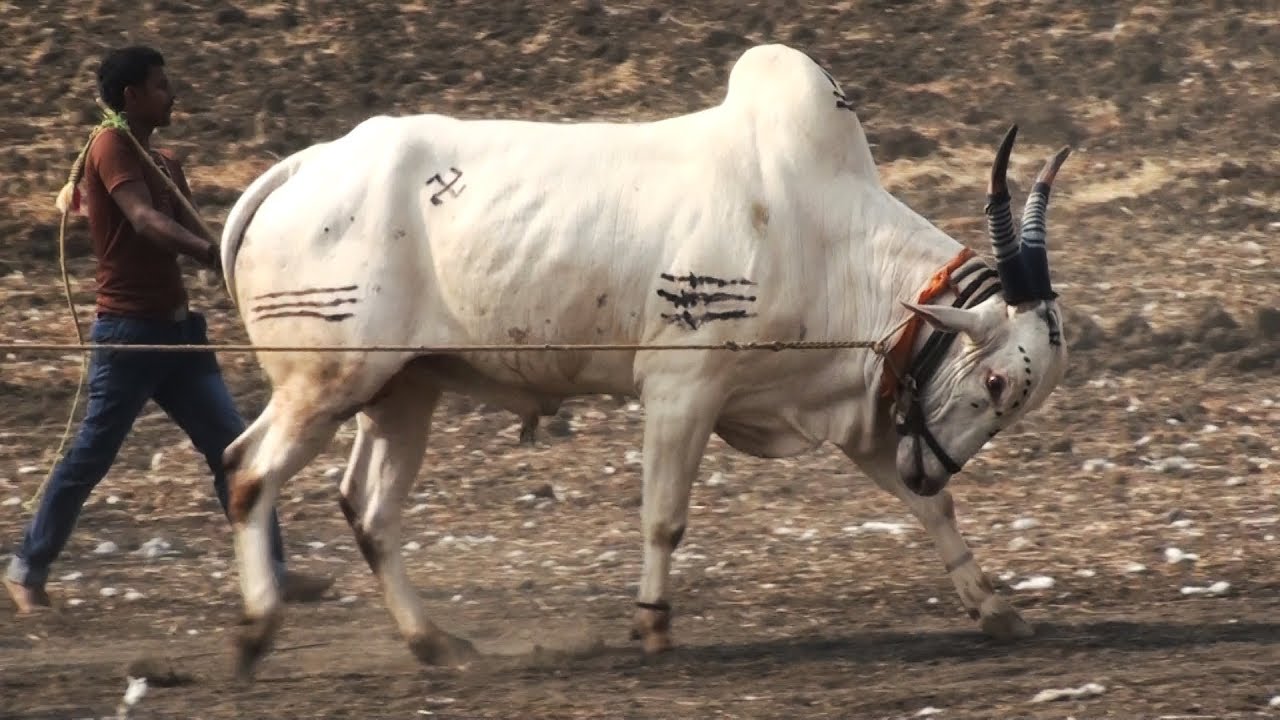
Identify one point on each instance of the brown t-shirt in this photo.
(136, 277)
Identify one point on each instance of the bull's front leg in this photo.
(937, 514)
(994, 614)
(679, 418)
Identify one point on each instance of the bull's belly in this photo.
(556, 372)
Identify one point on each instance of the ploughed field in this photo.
(1132, 520)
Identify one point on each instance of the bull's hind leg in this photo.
(390, 442)
(284, 438)
(937, 514)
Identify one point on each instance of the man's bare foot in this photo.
(27, 599)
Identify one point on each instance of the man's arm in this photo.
(134, 200)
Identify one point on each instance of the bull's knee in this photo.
(666, 536)
(244, 494)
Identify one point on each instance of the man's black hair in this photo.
(123, 67)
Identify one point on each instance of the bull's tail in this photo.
(243, 211)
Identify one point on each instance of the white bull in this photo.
(759, 219)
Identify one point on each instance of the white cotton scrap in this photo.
(1135, 567)
(1084, 691)
(927, 711)
(15, 500)
(1173, 556)
(1275, 701)
(1215, 589)
(105, 548)
(1176, 462)
(1035, 582)
(1024, 523)
(153, 548)
(1085, 572)
(1018, 543)
(891, 528)
(136, 690)
(132, 694)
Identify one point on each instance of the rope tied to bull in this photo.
(67, 201)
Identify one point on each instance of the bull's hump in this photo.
(797, 106)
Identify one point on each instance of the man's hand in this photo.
(213, 259)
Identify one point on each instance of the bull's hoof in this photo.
(656, 643)
(652, 627)
(252, 640)
(442, 649)
(1001, 622)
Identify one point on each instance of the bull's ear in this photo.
(960, 320)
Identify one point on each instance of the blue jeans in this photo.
(187, 385)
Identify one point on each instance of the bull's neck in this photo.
(893, 254)
(894, 259)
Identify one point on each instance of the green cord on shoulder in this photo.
(113, 119)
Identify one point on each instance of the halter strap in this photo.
(899, 355)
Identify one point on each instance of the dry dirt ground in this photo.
(802, 590)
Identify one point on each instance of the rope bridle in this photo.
(906, 388)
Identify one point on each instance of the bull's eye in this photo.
(996, 385)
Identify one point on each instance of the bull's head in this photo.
(1009, 352)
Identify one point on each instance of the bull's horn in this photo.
(1013, 278)
(1035, 256)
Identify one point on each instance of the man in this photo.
(137, 231)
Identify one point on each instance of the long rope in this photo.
(877, 345)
